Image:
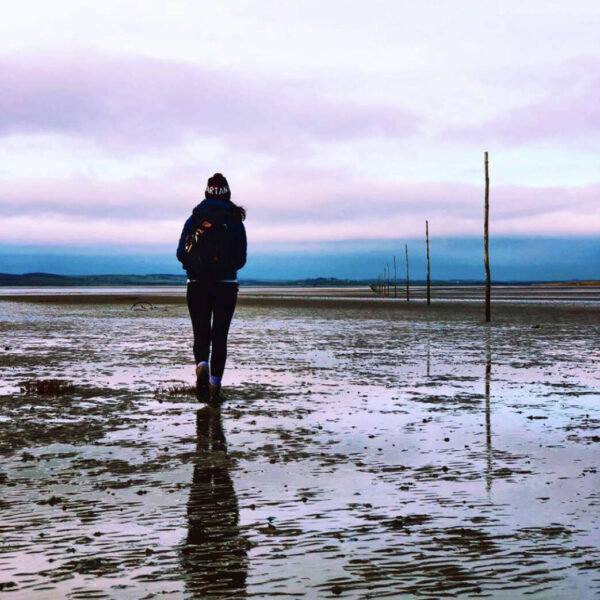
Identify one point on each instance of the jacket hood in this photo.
(216, 207)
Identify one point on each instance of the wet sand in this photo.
(369, 449)
(537, 293)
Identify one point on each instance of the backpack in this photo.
(209, 246)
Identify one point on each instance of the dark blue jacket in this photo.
(222, 209)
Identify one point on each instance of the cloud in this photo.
(291, 205)
(142, 199)
(133, 103)
(565, 109)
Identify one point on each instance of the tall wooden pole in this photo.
(486, 256)
(406, 250)
(395, 279)
(428, 279)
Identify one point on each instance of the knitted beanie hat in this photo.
(217, 187)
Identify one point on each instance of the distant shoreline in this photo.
(168, 280)
(572, 283)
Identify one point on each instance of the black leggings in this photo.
(211, 307)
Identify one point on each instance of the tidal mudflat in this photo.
(368, 450)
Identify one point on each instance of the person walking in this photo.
(212, 248)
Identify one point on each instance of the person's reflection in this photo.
(488, 417)
(213, 557)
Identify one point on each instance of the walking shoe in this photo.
(215, 396)
(201, 383)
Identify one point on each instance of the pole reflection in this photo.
(427, 343)
(213, 557)
(488, 418)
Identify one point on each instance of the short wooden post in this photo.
(428, 278)
(406, 251)
(387, 267)
(395, 279)
(385, 278)
(486, 256)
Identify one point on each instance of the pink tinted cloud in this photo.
(291, 194)
(86, 198)
(135, 103)
(290, 205)
(565, 109)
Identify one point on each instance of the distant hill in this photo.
(52, 280)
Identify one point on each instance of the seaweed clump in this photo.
(47, 387)
(178, 390)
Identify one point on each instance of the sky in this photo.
(341, 127)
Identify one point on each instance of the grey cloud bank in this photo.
(134, 104)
